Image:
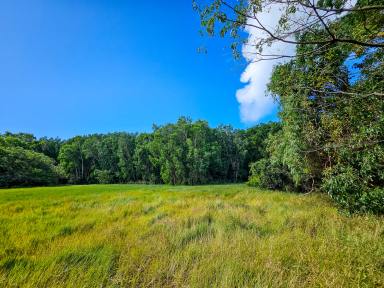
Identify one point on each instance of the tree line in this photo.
(185, 152)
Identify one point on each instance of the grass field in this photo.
(203, 236)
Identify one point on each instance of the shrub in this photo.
(103, 176)
(271, 175)
(21, 167)
(351, 192)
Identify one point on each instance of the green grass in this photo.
(203, 236)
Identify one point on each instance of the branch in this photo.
(348, 145)
(322, 21)
(279, 37)
(280, 56)
(341, 10)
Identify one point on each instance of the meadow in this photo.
(183, 236)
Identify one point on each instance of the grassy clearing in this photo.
(204, 236)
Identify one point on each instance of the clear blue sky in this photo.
(70, 67)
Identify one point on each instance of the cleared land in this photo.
(203, 236)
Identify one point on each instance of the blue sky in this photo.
(77, 67)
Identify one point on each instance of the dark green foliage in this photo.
(266, 167)
(191, 153)
(145, 161)
(333, 125)
(182, 153)
(99, 158)
(103, 176)
(49, 147)
(347, 188)
(22, 140)
(20, 167)
(333, 121)
(267, 174)
(256, 140)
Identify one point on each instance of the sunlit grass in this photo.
(164, 236)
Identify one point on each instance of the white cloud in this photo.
(254, 103)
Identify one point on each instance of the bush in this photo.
(267, 174)
(372, 201)
(351, 192)
(21, 167)
(103, 176)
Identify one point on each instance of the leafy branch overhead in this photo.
(300, 22)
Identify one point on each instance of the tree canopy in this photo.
(185, 152)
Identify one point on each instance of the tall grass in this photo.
(203, 236)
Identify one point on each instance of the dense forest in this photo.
(182, 153)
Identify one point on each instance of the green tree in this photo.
(22, 167)
(126, 145)
(146, 161)
(73, 160)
